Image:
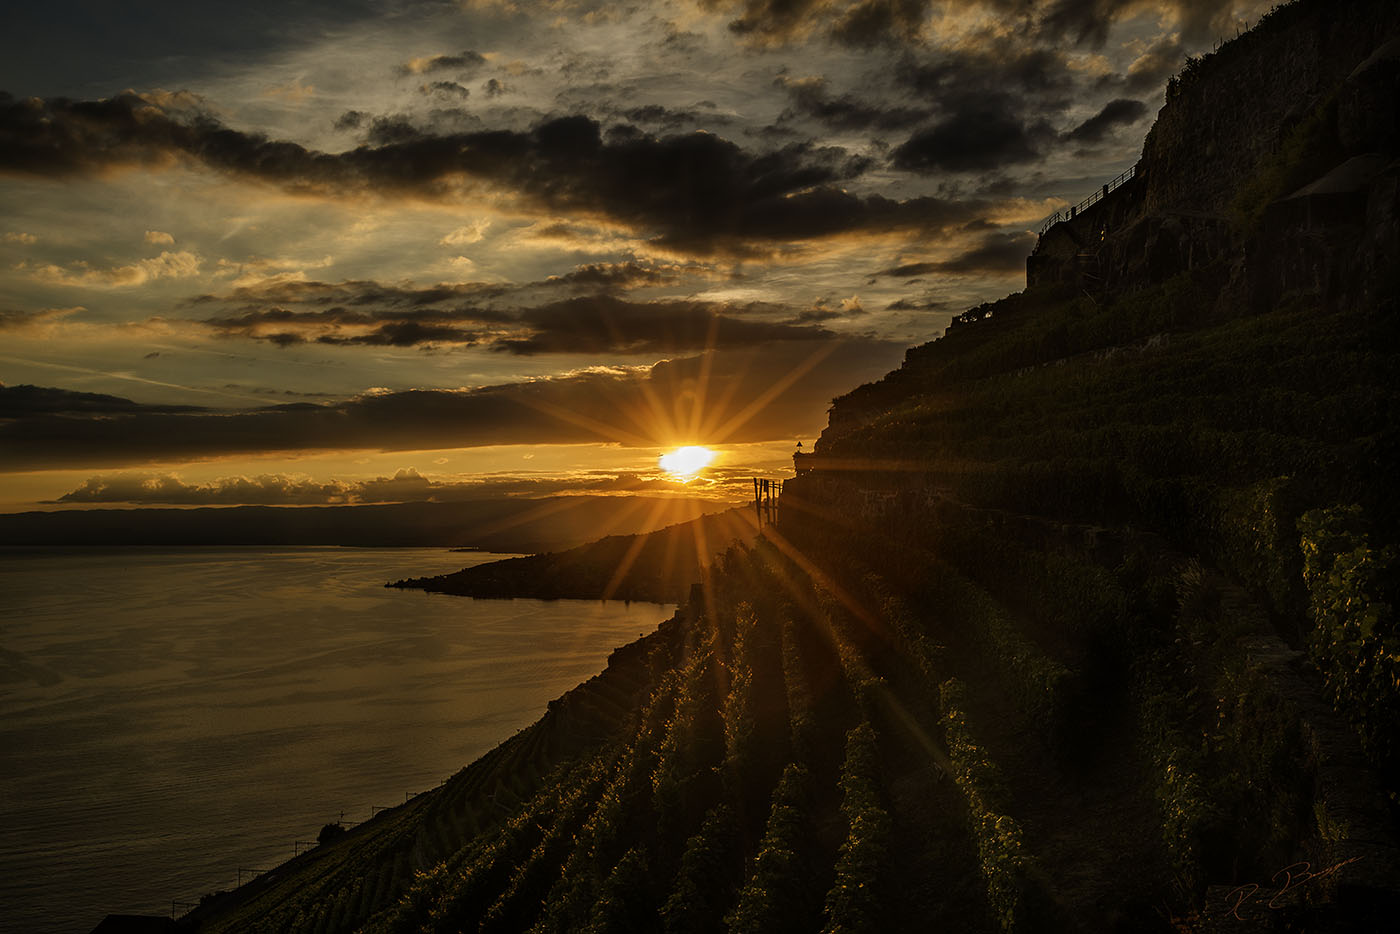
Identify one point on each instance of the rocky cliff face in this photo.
(1234, 109)
(1273, 161)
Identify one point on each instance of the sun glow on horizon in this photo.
(685, 463)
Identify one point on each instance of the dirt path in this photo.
(1087, 820)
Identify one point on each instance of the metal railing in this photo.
(1099, 194)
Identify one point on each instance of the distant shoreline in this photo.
(659, 567)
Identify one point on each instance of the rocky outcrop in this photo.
(1368, 104)
(1333, 238)
(1273, 161)
(1234, 108)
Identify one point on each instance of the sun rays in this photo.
(685, 463)
(705, 399)
(686, 409)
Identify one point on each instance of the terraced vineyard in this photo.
(821, 743)
(1124, 703)
(1081, 620)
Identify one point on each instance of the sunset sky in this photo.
(353, 251)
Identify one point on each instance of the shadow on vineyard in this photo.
(1081, 620)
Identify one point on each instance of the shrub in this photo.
(1355, 640)
(330, 832)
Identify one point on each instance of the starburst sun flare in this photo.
(686, 462)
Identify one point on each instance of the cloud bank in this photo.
(774, 392)
(695, 192)
(407, 485)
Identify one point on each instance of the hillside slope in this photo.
(1082, 620)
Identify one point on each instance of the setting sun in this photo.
(686, 462)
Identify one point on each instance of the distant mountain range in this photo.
(502, 525)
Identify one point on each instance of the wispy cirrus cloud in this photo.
(995, 253)
(13, 320)
(180, 264)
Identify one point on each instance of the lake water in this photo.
(169, 717)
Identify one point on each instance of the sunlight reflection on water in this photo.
(167, 717)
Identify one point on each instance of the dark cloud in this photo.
(1004, 74)
(605, 324)
(405, 334)
(60, 138)
(1085, 21)
(1123, 111)
(357, 293)
(1089, 21)
(390, 130)
(861, 23)
(597, 323)
(694, 191)
(811, 98)
(377, 301)
(906, 304)
(446, 89)
(493, 88)
(974, 140)
(1150, 70)
(351, 120)
(875, 22)
(750, 395)
(680, 42)
(526, 318)
(624, 275)
(266, 391)
(866, 23)
(908, 270)
(774, 20)
(465, 61)
(821, 313)
(670, 118)
(996, 253)
(989, 101)
(655, 113)
(407, 327)
(27, 401)
(96, 44)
